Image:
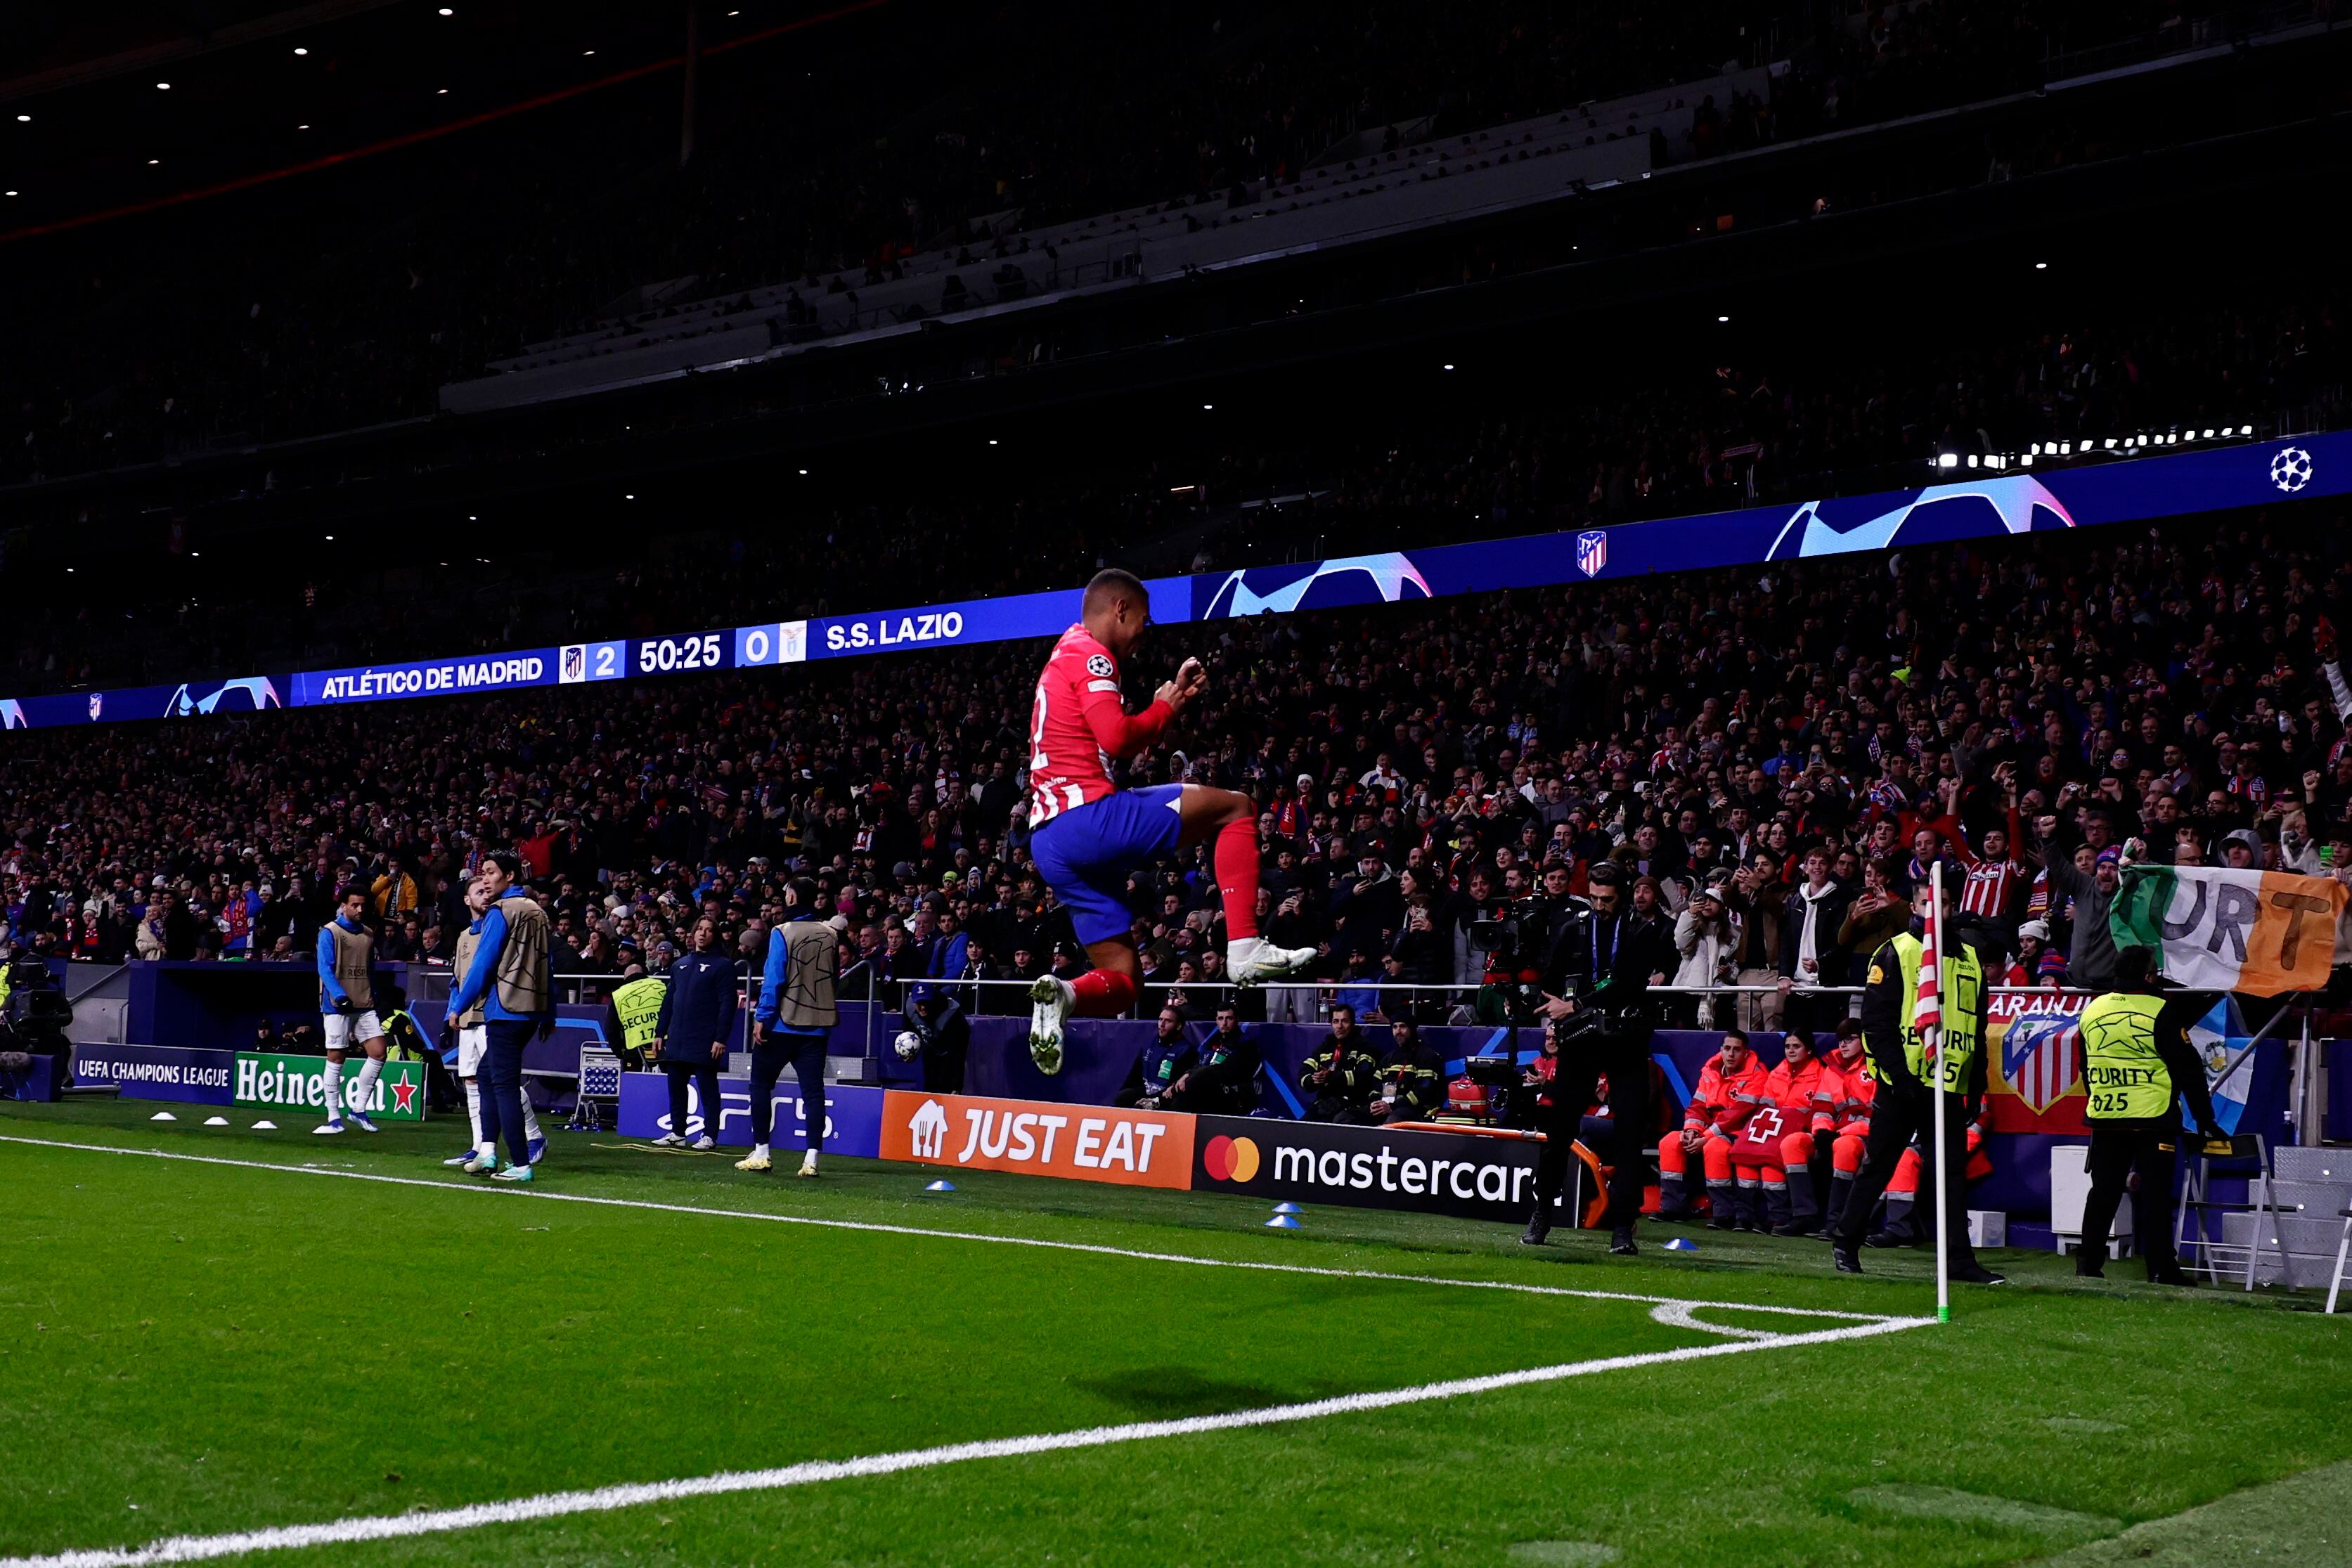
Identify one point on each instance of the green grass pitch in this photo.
(197, 1349)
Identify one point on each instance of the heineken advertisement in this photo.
(266, 1079)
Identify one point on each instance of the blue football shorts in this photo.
(1086, 853)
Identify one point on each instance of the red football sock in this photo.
(1236, 864)
(1103, 994)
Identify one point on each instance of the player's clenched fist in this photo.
(1190, 681)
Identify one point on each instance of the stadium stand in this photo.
(2174, 686)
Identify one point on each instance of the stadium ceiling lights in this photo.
(2041, 266)
(163, 87)
(24, 120)
(298, 49)
(1721, 320)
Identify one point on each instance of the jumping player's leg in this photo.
(1229, 821)
(1085, 855)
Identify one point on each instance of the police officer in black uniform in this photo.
(1603, 961)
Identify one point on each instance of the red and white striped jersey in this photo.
(1078, 725)
(1994, 886)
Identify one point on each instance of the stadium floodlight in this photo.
(585, 53)
(1948, 460)
(153, 162)
(163, 87)
(1207, 406)
(443, 93)
(2110, 444)
(1719, 320)
(447, 12)
(2245, 430)
(298, 49)
(2041, 266)
(24, 120)
(991, 441)
(2066, 449)
(1449, 367)
(11, 192)
(629, 498)
(803, 473)
(2209, 432)
(1972, 459)
(2027, 460)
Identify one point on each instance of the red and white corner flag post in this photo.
(1928, 1018)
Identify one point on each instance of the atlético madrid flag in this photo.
(2260, 932)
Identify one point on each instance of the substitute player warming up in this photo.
(1087, 836)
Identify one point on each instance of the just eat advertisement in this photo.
(1030, 1137)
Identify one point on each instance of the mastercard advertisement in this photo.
(1028, 1137)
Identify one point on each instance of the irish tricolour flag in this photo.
(2260, 932)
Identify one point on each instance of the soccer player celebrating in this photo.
(347, 1007)
(1088, 836)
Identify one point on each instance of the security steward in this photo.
(698, 1015)
(1904, 1103)
(633, 1015)
(792, 1020)
(1605, 961)
(2137, 1063)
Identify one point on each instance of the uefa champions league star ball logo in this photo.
(2290, 469)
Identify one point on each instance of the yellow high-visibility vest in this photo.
(1963, 991)
(2121, 1069)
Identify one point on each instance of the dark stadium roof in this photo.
(101, 117)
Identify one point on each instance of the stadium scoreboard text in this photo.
(1983, 506)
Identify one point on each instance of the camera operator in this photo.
(34, 1017)
(1599, 969)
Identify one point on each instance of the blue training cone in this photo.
(940, 1186)
(1682, 1244)
(1283, 1222)
(1288, 1208)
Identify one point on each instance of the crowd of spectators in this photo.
(1773, 754)
(1680, 435)
(1013, 118)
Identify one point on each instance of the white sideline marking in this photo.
(605, 1499)
(1089, 1247)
